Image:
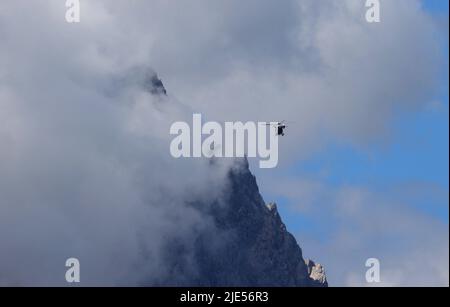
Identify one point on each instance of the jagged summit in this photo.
(249, 246)
(268, 254)
(143, 78)
(154, 85)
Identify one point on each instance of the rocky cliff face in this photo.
(249, 247)
(259, 250)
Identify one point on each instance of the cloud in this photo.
(331, 72)
(85, 169)
(354, 223)
(84, 164)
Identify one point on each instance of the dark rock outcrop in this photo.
(154, 85)
(250, 245)
(260, 251)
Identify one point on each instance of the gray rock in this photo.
(316, 273)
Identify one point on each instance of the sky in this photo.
(363, 168)
(410, 167)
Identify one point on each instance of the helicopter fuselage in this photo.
(280, 129)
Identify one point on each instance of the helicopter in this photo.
(280, 126)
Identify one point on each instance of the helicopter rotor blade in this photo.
(273, 125)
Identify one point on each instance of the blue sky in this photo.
(436, 6)
(418, 150)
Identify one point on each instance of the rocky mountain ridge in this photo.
(252, 246)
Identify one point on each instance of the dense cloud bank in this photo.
(85, 169)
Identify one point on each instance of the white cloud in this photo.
(85, 169)
(355, 223)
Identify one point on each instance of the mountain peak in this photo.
(273, 257)
(249, 247)
(155, 85)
